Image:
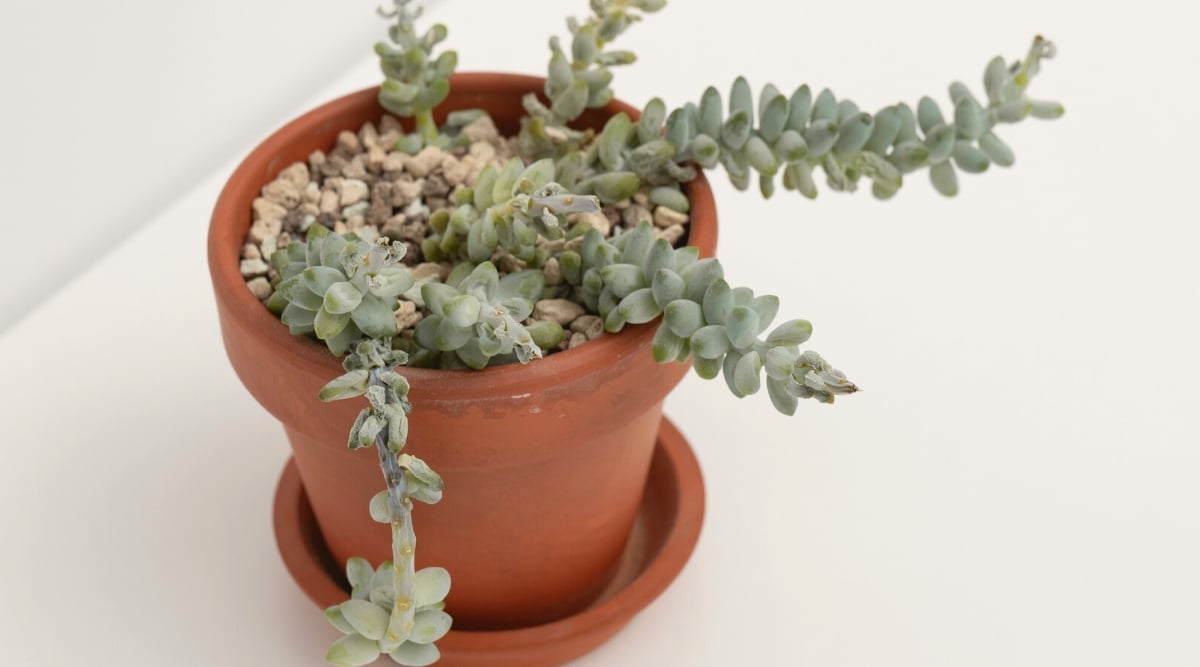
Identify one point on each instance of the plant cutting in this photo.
(437, 244)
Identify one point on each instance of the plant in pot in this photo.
(507, 219)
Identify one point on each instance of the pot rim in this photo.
(231, 218)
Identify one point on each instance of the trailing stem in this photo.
(404, 539)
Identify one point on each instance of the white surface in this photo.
(1015, 486)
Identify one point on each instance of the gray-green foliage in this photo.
(479, 316)
(340, 289)
(792, 135)
(633, 279)
(345, 291)
(415, 81)
(394, 610)
(579, 75)
(365, 618)
(508, 208)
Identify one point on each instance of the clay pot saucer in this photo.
(663, 538)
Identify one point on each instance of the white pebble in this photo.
(589, 325)
(562, 311)
(666, 217)
(353, 191)
(260, 288)
(253, 267)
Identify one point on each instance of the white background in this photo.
(1016, 485)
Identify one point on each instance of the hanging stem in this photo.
(404, 539)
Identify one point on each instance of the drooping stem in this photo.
(404, 539)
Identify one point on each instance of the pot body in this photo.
(544, 464)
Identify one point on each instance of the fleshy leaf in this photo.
(379, 507)
(374, 318)
(359, 572)
(780, 398)
(352, 651)
(710, 342)
(318, 279)
(792, 332)
(365, 617)
(337, 620)
(431, 584)
(430, 626)
(348, 385)
(327, 325)
(412, 654)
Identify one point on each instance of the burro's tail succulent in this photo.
(636, 279)
(792, 135)
(788, 138)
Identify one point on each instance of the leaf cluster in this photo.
(339, 288)
(414, 80)
(634, 279)
(480, 316)
(579, 75)
(792, 135)
(366, 619)
(507, 209)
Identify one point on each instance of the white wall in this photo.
(111, 110)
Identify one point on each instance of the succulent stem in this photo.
(404, 539)
(426, 127)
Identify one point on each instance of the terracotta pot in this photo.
(544, 464)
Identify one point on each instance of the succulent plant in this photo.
(480, 317)
(580, 80)
(796, 134)
(339, 289)
(344, 289)
(414, 81)
(509, 208)
(634, 279)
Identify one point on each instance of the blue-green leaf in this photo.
(792, 332)
(718, 302)
(319, 278)
(683, 317)
(780, 398)
(666, 345)
(742, 327)
(374, 318)
(710, 342)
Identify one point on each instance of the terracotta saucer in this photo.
(662, 540)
